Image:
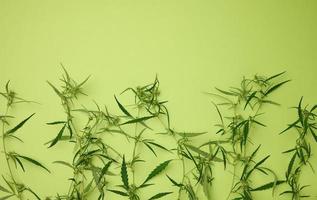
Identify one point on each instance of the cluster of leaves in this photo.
(245, 103)
(131, 190)
(95, 160)
(304, 125)
(13, 187)
(92, 154)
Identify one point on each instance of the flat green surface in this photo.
(193, 46)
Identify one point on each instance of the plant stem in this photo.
(136, 141)
(7, 158)
(179, 157)
(232, 182)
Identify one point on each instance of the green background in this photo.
(193, 46)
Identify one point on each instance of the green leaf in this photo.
(20, 163)
(56, 122)
(151, 149)
(119, 192)
(31, 191)
(299, 111)
(122, 108)
(245, 132)
(159, 195)
(219, 113)
(56, 90)
(17, 127)
(83, 82)
(174, 182)
(261, 162)
(58, 137)
(124, 174)
(4, 190)
(226, 92)
(290, 126)
(8, 184)
(249, 99)
(290, 165)
(190, 134)
(191, 157)
(33, 162)
(138, 120)
(103, 171)
(197, 150)
(159, 146)
(313, 134)
(254, 152)
(275, 87)
(274, 76)
(157, 170)
(63, 163)
(223, 152)
(15, 137)
(257, 122)
(6, 197)
(268, 186)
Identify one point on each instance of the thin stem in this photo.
(179, 157)
(78, 142)
(232, 182)
(7, 158)
(136, 141)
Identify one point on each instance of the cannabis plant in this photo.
(245, 104)
(305, 125)
(13, 187)
(143, 122)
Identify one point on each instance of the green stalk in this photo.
(181, 158)
(7, 158)
(136, 141)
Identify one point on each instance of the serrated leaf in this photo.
(249, 99)
(63, 163)
(290, 126)
(119, 192)
(219, 113)
(20, 163)
(122, 108)
(224, 157)
(299, 111)
(157, 170)
(190, 134)
(56, 122)
(58, 137)
(274, 76)
(103, 171)
(290, 165)
(268, 186)
(245, 132)
(159, 195)
(226, 92)
(275, 87)
(174, 182)
(313, 134)
(56, 90)
(137, 120)
(124, 174)
(32, 192)
(17, 127)
(158, 145)
(151, 149)
(33, 162)
(261, 161)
